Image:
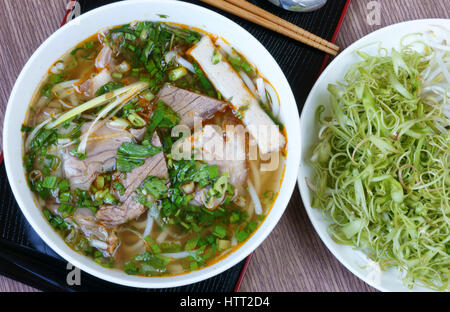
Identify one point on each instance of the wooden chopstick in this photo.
(278, 20)
(263, 18)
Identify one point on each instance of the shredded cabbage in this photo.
(381, 166)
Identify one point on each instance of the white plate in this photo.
(124, 12)
(352, 259)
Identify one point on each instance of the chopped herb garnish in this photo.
(220, 231)
(163, 117)
(110, 86)
(155, 186)
(25, 128)
(131, 155)
(217, 57)
(66, 209)
(119, 187)
(50, 182)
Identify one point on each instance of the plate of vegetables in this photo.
(374, 174)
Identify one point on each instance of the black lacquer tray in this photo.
(26, 258)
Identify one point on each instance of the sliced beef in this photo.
(190, 106)
(153, 166)
(130, 209)
(119, 214)
(138, 133)
(101, 152)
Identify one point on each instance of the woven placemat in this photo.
(29, 260)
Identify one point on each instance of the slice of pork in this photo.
(104, 58)
(129, 209)
(99, 236)
(190, 106)
(224, 148)
(230, 85)
(201, 198)
(89, 87)
(101, 152)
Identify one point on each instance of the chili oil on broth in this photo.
(79, 64)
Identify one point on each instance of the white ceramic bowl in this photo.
(121, 13)
(355, 261)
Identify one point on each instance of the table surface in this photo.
(292, 258)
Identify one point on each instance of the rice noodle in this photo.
(136, 248)
(249, 83)
(132, 231)
(255, 198)
(149, 224)
(57, 68)
(224, 46)
(99, 244)
(175, 268)
(178, 255)
(163, 235)
(173, 55)
(64, 142)
(119, 123)
(64, 104)
(261, 90)
(255, 174)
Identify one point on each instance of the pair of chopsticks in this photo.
(268, 20)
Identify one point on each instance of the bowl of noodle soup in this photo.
(102, 114)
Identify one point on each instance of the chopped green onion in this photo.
(148, 95)
(136, 120)
(50, 182)
(191, 244)
(64, 185)
(217, 57)
(117, 75)
(100, 182)
(220, 231)
(66, 210)
(241, 236)
(177, 73)
(223, 244)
